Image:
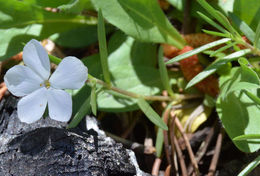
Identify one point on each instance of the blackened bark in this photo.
(48, 148)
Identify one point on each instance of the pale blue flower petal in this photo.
(21, 80)
(59, 105)
(31, 107)
(36, 57)
(71, 73)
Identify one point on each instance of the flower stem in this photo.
(177, 97)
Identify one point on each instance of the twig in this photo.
(172, 128)
(215, 157)
(156, 166)
(180, 156)
(165, 137)
(186, 140)
(128, 144)
(168, 171)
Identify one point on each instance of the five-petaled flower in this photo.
(34, 82)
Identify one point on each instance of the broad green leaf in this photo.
(198, 50)
(103, 47)
(78, 37)
(47, 3)
(247, 31)
(163, 72)
(132, 67)
(21, 21)
(215, 65)
(142, 19)
(151, 114)
(236, 110)
(250, 167)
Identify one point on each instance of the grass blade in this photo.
(216, 33)
(213, 23)
(198, 50)
(257, 35)
(215, 65)
(246, 137)
(222, 49)
(250, 167)
(247, 31)
(253, 97)
(163, 72)
(103, 46)
(93, 99)
(151, 114)
(84, 109)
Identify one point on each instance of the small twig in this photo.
(128, 144)
(172, 134)
(214, 161)
(168, 171)
(131, 127)
(156, 166)
(204, 145)
(3, 89)
(165, 137)
(180, 156)
(187, 143)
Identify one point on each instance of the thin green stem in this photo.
(134, 95)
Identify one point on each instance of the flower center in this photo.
(46, 83)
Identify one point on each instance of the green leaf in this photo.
(163, 72)
(250, 167)
(78, 37)
(216, 33)
(103, 46)
(253, 97)
(84, 109)
(257, 35)
(216, 14)
(54, 59)
(93, 99)
(132, 67)
(246, 137)
(141, 19)
(215, 65)
(159, 142)
(238, 113)
(247, 31)
(211, 22)
(21, 21)
(76, 6)
(198, 50)
(222, 49)
(151, 114)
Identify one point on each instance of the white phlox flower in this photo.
(38, 87)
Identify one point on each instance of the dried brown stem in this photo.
(180, 156)
(187, 143)
(165, 136)
(172, 134)
(156, 166)
(215, 157)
